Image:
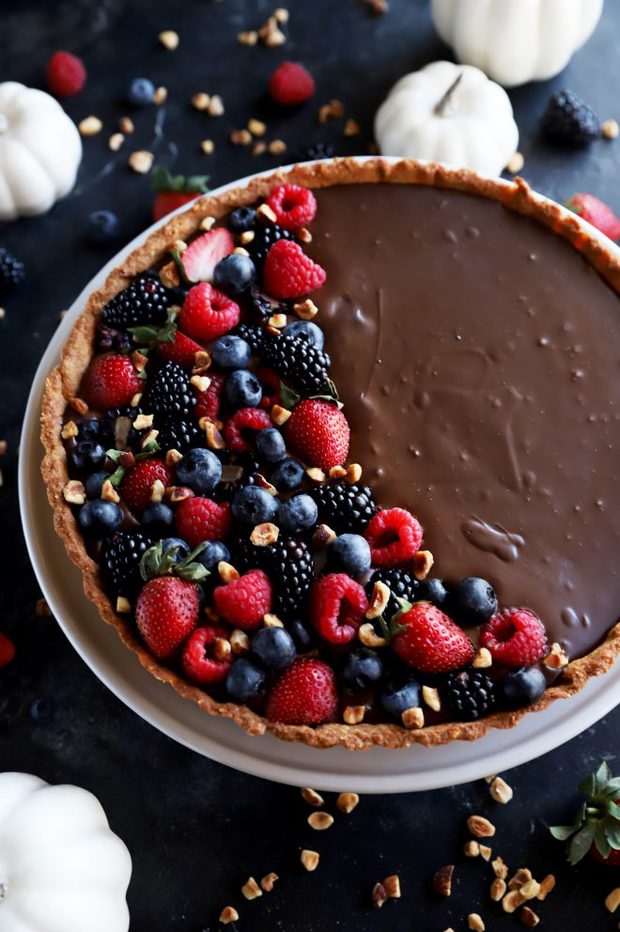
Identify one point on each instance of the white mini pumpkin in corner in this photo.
(40, 151)
(61, 867)
(448, 113)
(515, 41)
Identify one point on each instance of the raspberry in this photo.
(7, 649)
(428, 640)
(293, 206)
(207, 313)
(290, 84)
(318, 432)
(197, 662)
(66, 74)
(244, 601)
(199, 519)
(394, 536)
(242, 426)
(289, 272)
(305, 694)
(138, 481)
(516, 637)
(208, 402)
(337, 606)
(110, 381)
(264, 238)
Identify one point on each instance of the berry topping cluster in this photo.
(209, 470)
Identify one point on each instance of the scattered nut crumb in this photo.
(316, 474)
(442, 880)
(42, 608)
(304, 235)
(109, 493)
(268, 881)
(251, 889)
(125, 124)
(279, 415)
(557, 658)
(546, 886)
(320, 821)
(322, 537)
(277, 147)
(259, 148)
(530, 890)
(351, 128)
(475, 923)
(207, 146)
(247, 38)
(485, 852)
(471, 849)
(240, 642)
(257, 127)
(310, 859)
(4, 445)
(229, 914)
(160, 96)
(378, 896)
(115, 141)
(90, 126)
(377, 7)
(516, 163)
(369, 637)
(529, 918)
(272, 621)
(169, 39)
(141, 161)
(391, 885)
(612, 901)
(610, 129)
(265, 212)
(264, 534)
(347, 802)
(422, 564)
(306, 310)
(498, 889)
(69, 430)
(500, 791)
(519, 878)
(512, 901)
(74, 492)
(480, 827)
(221, 649)
(500, 869)
(216, 106)
(311, 796)
(281, 15)
(354, 473)
(331, 111)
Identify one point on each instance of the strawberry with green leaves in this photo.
(596, 828)
(171, 192)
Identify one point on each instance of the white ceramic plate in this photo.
(373, 771)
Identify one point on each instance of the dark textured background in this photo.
(196, 829)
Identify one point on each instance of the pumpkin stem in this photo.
(444, 103)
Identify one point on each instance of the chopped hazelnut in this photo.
(500, 869)
(316, 474)
(173, 457)
(115, 141)
(277, 146)
(201, 101)
(512, 901)
(612, 901)
(259, 148)
(519, 878)
(430, 695)
(69, 430)
(207, 146)
(422, 564)
(240, 137)
(546, 886)
(310, 859)
(320, 821)
(207, 223)
(90, 126)
(222, 649)
(391, 885)
(257, 127)
(279, 415)
(74, 492)
(169, 39)
(354, 473)
(227, 572)
(351, 128)
(442, 880)
(369, 637)
(272, 621)
(378, 896)
(482, 659)
(311, 796)
(347, 802)
(216, 106)
(485, 852)
(79, 405)
(123, 605)
(141, 161)
(109, 493)
(160, 96)
(529, 918)
(557, 658)
(42, 608)
(229, 914)
(337, 472)
(530, 890)
(249, 37)
(322, 537)
(268, 881)
(471, 849)
(516, 163)
(331, 111)
(378, 600)
(500, 791)
(304, 235)
(265, 213)
(498, 889)
(305, 310)
(264, 534)
(610, 129)
(475, 923)
(125, 124)
(480, 827)
(354, 714)
(413, 718)
(240, 642)
(143, 421)
(251, 889)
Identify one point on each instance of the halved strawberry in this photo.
(201, 256)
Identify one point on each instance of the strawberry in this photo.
(244, 601)
(201, 256)
(596, 212)
(66, 74)
(173, 192)
(337, 607)
(305, 694)
(180, 349)
(198, 519)
(289, 272)
(318, 432)
(7, 649)
(137, 485)
(290, 84)
(166, 613)
(110, 382)
(428, 640)
(596, 828)
(207, 313)
(197, 659)
(208, 402)
(516, 637)
(394, 536)
(293, 206)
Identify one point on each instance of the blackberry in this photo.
(169, 393)
(254, 336)
(290, 567)
(12, 271)
(264, 306)
(319, 150)
(402, 585)
(117, 341)
(178, 433)
(118, 431)
(469, 694)
(264, 238)
(345, 507)
(569, 120)
(145, 301)
(120, 561)
(299, 363)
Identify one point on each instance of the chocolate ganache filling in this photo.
(478, 355)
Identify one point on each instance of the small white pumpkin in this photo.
(448, 113)
(515, 41)
(40, 151)
(61, 867)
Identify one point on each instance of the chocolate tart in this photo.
(444, 292)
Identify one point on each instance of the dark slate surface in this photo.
(197, 829)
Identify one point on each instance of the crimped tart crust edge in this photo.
(64, 380)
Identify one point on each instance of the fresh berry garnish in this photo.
(432, 590)
(288, 475)
(119, 562)
(231, 352)
(87, 455)
(137, 485)
(7, 649)
(199, 519)
(318, 432)
(307, 329)
(207, 313)
(428, 640)
(252, 505)
(245, 680)
(117, 341)
(141, 92)
(208, 401)
(293, 206)
(66, 74)
(253, 335)
(242, 219)
(264, 238)
(174, 192)
(110, 381)
(345, 507)
(214, 552)
(200, 470)
(98, 518)
(243, 389)
(166, 613)
(234, 274)
(274, 647)
(298, 513)
(516, 637)
(144, 301)
(198, 661)
(103, 227)
(158, 519)
(300, 363)
(180, 349)
(523, 687)
(245, 601)
(472, 601)
(305, 694)
(178, 434)
(469, 694)
(349, 554)
(401, 583)
(596, 212)
(596, 827)
(169, 392)
(12, 271)
(270, 381)
(337, 607)
(270, 445)
(318, 150)
(289, 272)
(394, 536)
(399, 694)
(362, 668)
(204, 253)
(288, 563)
(290, 84)
(94, 483)
(241, 429)
(567, 119)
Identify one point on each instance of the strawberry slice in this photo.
(201, 256)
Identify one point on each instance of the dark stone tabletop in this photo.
(196, 829)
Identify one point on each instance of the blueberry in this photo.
(523, 687)
(158, 518)
(87, 456)
(432, 590)
(244, 680)
(103, 226)
(274, 647)
(253, 505)
(243, 390)
(362, 668)
(349, 553)
(214, 552)
(43, 711)
(141, 92)
(288, 475)
(270, 445)
(300, 634)
(200, 470)
(100, 518)
(181, 547)
(231, 352)
(298, 513)
(242, 219)
(305, 328)
(89, 428)
(234, 274)
(94, 484)
(472, 601)
(398, 695)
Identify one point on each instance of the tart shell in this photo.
(63, 383)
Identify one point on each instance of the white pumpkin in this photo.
(515, 41)
(40, 151)
(448, 113)
(61, 868)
